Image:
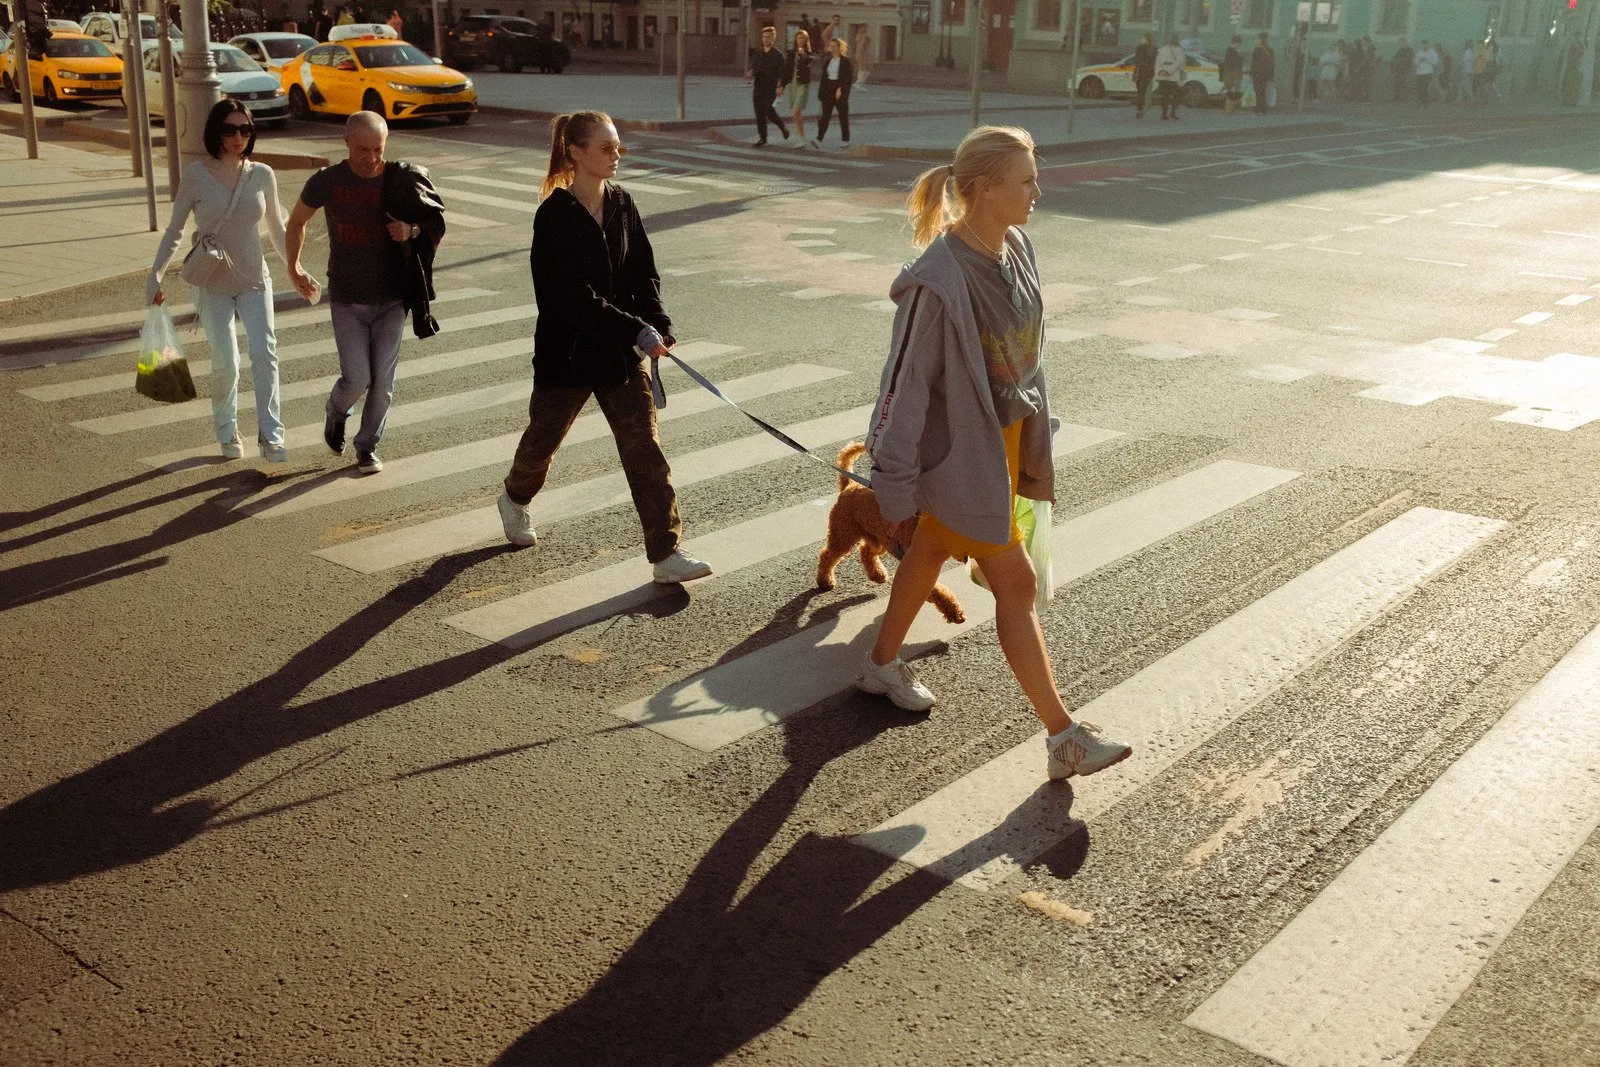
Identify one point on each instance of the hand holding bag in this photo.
(208, 266)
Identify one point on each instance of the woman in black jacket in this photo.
(838, 75)
(599, 297)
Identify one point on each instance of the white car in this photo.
(113, 31)
(63, 24)
(1202, 80)
(243, 79)
(273, 50)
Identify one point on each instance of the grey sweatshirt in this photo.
(935, 439)
(203, 195)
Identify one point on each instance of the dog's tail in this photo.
(847, 458)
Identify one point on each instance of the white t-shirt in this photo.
(1330, 64)
(833, 69)
(1425, 63)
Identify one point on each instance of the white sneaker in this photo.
(896, 681)
(800, 142)
(233, 449)
(272, 453)
(1082, 751)
(678, 568)
(516, 521)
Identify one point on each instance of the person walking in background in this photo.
(1169, 77)
(1466, 71)
(1444, 72)
(833, 31)
(599, 297)
(861, 53)
(1263, 68)
(1328, 72)
(767, 68)
(961, 428)
(230, 196)
(366, 280)
(838, 75)
(1423, 64)
(1232, 76)
(396, 23)
(799, 84)
(1402, 66)
(1489, 56)
(1144, 72)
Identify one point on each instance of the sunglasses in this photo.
(243, 129)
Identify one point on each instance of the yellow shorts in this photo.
(964, 548)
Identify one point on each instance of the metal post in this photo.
(661, 37)
(980, 34)
(141, 126)
(198, 85)
(683, 20)
(25, 86)
(169, 101)
(1072, 78)
(438, 30)
(132, 74)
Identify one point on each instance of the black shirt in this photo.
(596, 287)
(364, 263)
(769, 71)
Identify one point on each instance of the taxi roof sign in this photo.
(362, 29)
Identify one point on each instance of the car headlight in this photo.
(467, 84)
(401, 87)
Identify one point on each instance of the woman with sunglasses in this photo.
(600, 313)
(206, 190)
(962, 426)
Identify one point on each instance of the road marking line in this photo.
(1569, 233)
(1232, 257)
(1135, 281)
(1424, 211)
(888, 306)
(754, 155)
(1158, 350)
(1546, 419)
(471, 222)
(1435, 262)
(988, 824)
(536, 616)
(1087, 181)
(743, 695)
(821, 231)
(1478, 225)
(1121, 178)
(1245, 314)
(1356, 229)
(492, 183)
(1453, 203)
(1141, 226)
(1534, 318)
(813, 294)
(1436, 894)
(1280, 373)
(1456, 344)
(198, 410)
(706, 156)
(1309, 207)
(1336, 251)
(815, 242)
(845, 257)
(1241, 240)
(1559, 277)
(1187, 268)
(1574, 300)
(522, 206)
(1317, 239)
(453, 533)
(111, 383)
(1164, 189)
(1239, 199)
(1496, 335)
(1400, 394)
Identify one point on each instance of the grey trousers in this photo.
(368, 338)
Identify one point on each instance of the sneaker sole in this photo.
(879, 690)
(694, 577)
(1054, 777)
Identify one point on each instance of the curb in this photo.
(42, 116)
(623, 125)
(120, 138)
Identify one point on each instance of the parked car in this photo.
(65, 25)
(114, 31)
(504, 42)
(74, 67)
(273, 50)
(380, 74)
(243, 79)
(1202, 79)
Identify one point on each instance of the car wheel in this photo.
(50, 97)
(371, 101)
(509, 63)
(1194, 95)
(299, 106)
(1091, 88)
(460, 118)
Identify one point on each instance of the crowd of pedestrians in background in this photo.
(789, 76)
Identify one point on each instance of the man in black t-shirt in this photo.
(365, 282)
(770, 71)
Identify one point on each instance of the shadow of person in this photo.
(141, 803)
(712, 972)
(27, 583)
(11, 520)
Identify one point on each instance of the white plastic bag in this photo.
(1034, 520)
(163, 372)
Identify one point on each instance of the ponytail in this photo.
(566, 131)
(982, 156)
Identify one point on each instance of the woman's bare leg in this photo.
(799, 123)
(914, 579)
(1011, 579)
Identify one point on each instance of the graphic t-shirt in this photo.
(1009, 334)
(363, 261)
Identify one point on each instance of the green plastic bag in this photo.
(163, 372)
(1034, 520)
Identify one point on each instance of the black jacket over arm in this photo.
(847, 78)
(409, 195)
(596, 288)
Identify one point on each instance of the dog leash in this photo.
(660, 394)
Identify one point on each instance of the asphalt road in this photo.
(1328, 557)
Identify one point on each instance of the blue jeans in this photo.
(254, 309)
(368, 338)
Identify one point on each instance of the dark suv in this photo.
(505, 42)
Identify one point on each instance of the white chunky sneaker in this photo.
(895, 681)
(678, 568)
(1081, 750)
(233, 449)
(516, 521)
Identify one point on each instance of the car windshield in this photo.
(393, 55)
(286, 47)
(148, 30)
(232, 61)
(75, 48)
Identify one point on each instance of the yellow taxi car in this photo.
(375, 73)
(74, 66)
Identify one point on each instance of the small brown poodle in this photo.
(855, 519)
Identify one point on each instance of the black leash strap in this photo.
(661, 401)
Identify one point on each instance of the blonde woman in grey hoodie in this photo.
(962, 426)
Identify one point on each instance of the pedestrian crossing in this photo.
(1439, 889)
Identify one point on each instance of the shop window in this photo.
(1396, 17)
(1047, 14)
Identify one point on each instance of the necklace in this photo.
(974, 235)
(1007, 273)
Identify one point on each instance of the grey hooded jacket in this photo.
(935, 439)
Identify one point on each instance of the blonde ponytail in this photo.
(566, 131)
(983, 155)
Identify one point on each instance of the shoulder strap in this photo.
(238, 188)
